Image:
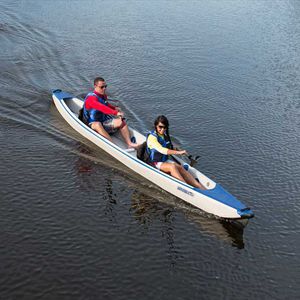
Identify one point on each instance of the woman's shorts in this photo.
(157, 165)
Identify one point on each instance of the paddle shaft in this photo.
(193, 159)
(175, 159)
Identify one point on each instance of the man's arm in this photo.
(92, 102)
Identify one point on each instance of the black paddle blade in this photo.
(193, 160)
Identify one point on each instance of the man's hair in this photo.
(97, 79)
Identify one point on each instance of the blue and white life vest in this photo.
(154, 155)
(94, 115)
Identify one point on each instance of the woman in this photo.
(159, 147)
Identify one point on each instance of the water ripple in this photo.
(77, 223)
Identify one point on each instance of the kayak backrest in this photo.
(142, 154)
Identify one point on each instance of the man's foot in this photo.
(133, 145)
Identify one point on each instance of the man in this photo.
(103, 117)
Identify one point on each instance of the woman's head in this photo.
(161, 124)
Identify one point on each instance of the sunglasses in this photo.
(102, 87)
(161, 127)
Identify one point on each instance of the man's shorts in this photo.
(108, 125)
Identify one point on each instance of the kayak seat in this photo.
(141, 153)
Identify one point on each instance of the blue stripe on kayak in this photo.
(61, 95)
(218, 193)
(246, 213)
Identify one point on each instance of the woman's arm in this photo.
(176, 152)
(154, 144)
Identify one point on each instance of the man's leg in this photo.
(126, 136)
(124, 130)
(97, 126)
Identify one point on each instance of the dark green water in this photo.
(75, 224)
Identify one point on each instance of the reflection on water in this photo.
(149, 203)
(78, 224)
(146, 209)
(110, 201)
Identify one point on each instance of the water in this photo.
(76, 224)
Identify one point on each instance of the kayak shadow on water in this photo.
(146, 206)
(149, 202)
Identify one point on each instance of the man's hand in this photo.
(120, 114)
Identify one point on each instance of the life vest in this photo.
(154, 155)
(94, 115)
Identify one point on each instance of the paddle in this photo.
(175, 159)
(193, 159)
(113, 100)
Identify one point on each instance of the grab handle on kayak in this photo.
(56, 91)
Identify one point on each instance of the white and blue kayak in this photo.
(214, 200)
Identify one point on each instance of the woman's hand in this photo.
(176, 152)
(181, 152)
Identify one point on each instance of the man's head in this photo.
(100, 85)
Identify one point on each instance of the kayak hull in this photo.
(215, 200)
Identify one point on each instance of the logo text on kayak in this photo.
(185, 191)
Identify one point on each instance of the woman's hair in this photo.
(163, 120)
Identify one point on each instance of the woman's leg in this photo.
(171, 168)
(180, 173)
(188, 178)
